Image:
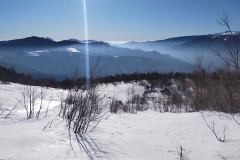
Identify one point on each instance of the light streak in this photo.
(86, 46)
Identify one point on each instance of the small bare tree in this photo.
(177, 100)
(199, 97)
(132, 95)
(159, 102)
(182, 154)
(115, 105)
(42, 95)
(30, 95)
(231, 43)
(229, 73)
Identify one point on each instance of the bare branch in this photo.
(212, 128)
(235, 119)
(12, 109)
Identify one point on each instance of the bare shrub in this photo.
(229, 73)
(135, 102)
(33, 99)
(177, 100)
(166, 105)
(199, 97)
(125, 108)
(61, 98)
(235, 119)
(182, 154)
(132, 100)
(81, 107)
(222, 138)
(42, 95)
(143, 103)
(115, 105)
(159, 101)
(223, 157)
(50, 100)
(30, 95)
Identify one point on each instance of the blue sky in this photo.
(115, 20)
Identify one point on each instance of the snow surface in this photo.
(72, 50)
(36, 53)
(117, 42)
(148, 135)
(227, 33)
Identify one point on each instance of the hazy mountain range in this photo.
(186, 48)
(44, 57)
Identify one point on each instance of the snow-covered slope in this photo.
(148, 135)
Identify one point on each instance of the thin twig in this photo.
(12, 109)
(98, 121)
(235, 119)
(45, 126)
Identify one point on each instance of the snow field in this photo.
(148, 135)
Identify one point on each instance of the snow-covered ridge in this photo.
(74, 39)
(36, 53)
(48, 38)
(89, 41)
(226, 33)
(82, 41)
(117, 42)
(72, 50)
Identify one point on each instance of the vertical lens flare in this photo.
(87, 113)
(86, 46)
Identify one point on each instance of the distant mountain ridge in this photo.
(44, 56)
(187, 47)
(35, 42)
